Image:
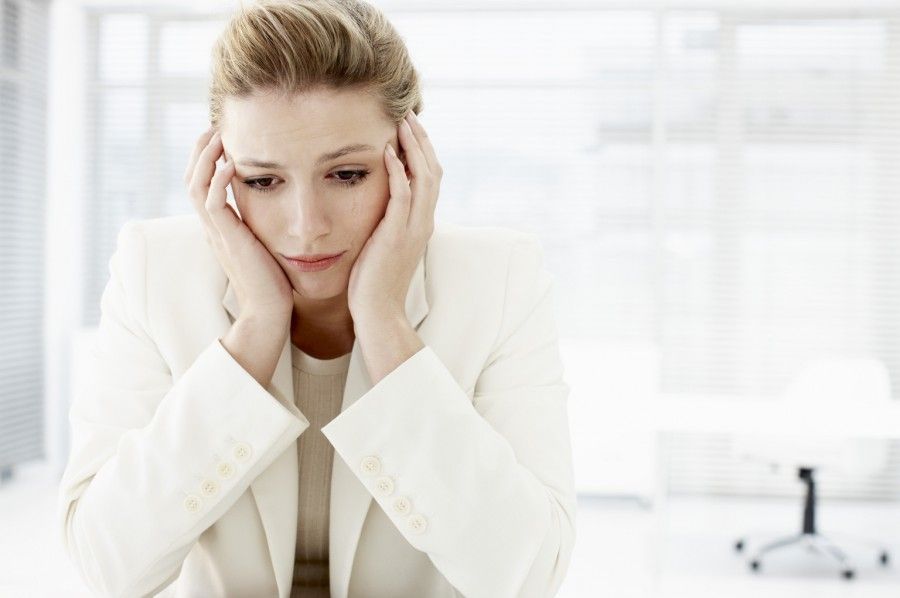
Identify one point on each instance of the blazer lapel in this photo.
(275, 490)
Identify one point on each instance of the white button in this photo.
(402, 505)
(371, 465)
(416, 523)
(241, 451)
(385, 485)
(209, 487)
(192, 503)
(225, 469)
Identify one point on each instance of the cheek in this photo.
(245, 210)
(363, 216)
(259, 216)
(369, 206)
(366, 211)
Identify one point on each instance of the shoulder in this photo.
(174, 268)
(480, 273)
(174, 244)
(500, 253)
(184, 230)
(479, 246)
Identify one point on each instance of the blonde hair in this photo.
(291, 46)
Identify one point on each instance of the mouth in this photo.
(318, 265)
(312, 258)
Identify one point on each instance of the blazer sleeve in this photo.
(153, 462)
(489, 481)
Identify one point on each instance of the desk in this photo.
(688, 413)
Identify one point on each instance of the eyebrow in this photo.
(347, 149)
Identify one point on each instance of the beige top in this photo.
(318, 391)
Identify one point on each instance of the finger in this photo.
(199, 189)
(201, 142)
(425, 143)
(203, 172)
(434, 166)
(220, 213)
(399, 201)
(414, 156)
(422, 178)
(205, 167)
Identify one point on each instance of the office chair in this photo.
(820, 382)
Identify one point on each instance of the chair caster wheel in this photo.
(739, 545)
(848, 573)
(884, 558)
(754, 565)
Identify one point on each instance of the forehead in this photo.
(263, 125)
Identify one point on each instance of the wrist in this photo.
(375, 321)
(268, 322)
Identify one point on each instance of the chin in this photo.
(307, 286)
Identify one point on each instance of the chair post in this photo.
(809, 507)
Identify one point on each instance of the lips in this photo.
(314, 257)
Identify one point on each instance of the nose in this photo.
(308, 217)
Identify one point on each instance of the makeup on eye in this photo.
(359, 176)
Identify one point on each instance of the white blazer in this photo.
(452, 476)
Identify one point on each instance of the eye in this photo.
(254, 184)
(359, 175)
(265, 185)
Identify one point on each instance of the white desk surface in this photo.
(674, 412)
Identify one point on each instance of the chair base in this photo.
(813, 540)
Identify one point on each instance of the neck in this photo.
(322, 327)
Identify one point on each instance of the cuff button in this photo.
(192, 503)
(416, 523)
(370, 465)
(385, 485)
(402, 505)
(225, 469)
(241, 451)
(209, 487)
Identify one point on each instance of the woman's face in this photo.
(306, 201)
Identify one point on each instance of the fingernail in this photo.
(413, 117)
(391, 151)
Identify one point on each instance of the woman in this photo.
(227, 375)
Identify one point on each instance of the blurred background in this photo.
(715, 183)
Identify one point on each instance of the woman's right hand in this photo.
(262, 288)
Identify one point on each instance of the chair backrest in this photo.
(823, 383)
(847, 380)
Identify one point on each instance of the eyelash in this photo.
(360, 177)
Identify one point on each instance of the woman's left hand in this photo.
(381, 275)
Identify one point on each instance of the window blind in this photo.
(23, 73)
(717, 181)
